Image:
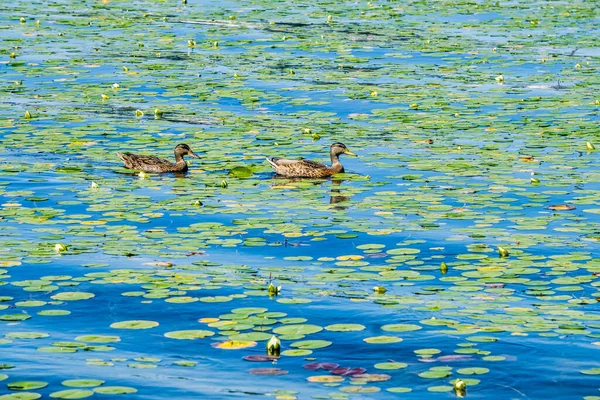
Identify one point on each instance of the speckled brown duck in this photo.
(155, 164)
(311, 169)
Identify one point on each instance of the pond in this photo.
(462, 244)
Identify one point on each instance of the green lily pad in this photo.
(189, 334)
(72, 296)
(345, 327)
(382, 339)
(390, 365)
(240, 172)
(473, 371)
(27, 335)
(27, 385)
(432, 374)
(400, 327)
(98, 338)
(82, 382)
(296, 352)
(134, 324)
(297, 329)
(21, 396)
(311, 344)
(72, 394)
(591, 371)
(115, 390)
(399, 390)
(54, 313)
(14, 317)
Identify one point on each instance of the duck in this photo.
(155, 164)
(311, 169)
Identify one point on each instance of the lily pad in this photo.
(115, 390)
(400, 327)
(134, 324)
(72, 296)
(82, 382)
(27, 385)
(72, 394)
(189, 334)
(345, 328)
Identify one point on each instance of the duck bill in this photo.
(350, 153)
(192, 154)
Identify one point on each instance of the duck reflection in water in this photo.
(335, 196)
(336, 199)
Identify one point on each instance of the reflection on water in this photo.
(335, 196)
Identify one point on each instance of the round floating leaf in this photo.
(325, 379)
(72, 296)
(14, 317)
(98, 338)
(234, 345)
(295, 300)
(30, 303)
(473, 371)
(54, 313)
(592, 371)
(427, 352)
(184, 363)
(297, 329)
(115, 390)
(82, 382)
(240, 172)
(360, 389)
(27, 385)
(296, 353)
(252, 336)
(400, 327)
(21, 396)
(382, 339)
(345, 327)
(440, 389)
(249, 310)
(134, 324)
(311, 344)
(26, 335)
(141, 365)
(482, 339)
(72, 394)
(494, 358)
(189, 334)
(371, 377)
(399, 390)
(391, 365)
(432, 374)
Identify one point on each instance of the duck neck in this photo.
(179, 158)
(336, 165)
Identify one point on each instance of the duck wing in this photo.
(299, 168)
(145, 163)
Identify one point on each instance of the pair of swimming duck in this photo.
(290, 168)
